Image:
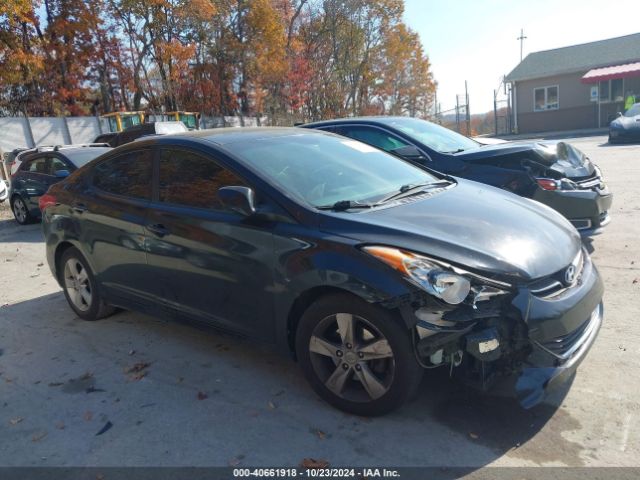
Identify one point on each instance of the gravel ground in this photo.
(170, 394)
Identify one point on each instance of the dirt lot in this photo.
(170, 394)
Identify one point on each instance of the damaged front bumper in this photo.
(524, 345)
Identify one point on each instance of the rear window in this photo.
(84, 156)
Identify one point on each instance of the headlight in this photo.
(439, 280)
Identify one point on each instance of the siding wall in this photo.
(575, 111)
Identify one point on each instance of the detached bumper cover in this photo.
(553, 363)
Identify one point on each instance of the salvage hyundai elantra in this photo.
(366, 268)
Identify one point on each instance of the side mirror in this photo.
(411, 152)
(238, 199)
(61, 173)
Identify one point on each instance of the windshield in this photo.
(433, 136)
(633, 111)
(83, 156)
(324, 169)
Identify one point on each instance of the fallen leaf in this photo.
(635, 280)
(88, 416)
(473, 435)
(321, 435)
(202, 396)
(38, 436)
(15, 421)
(106, 427)
(272, 406)
(40, 264)
(313, 463)
(132, 352)
(136, 368)
(60, 425)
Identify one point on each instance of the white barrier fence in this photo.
(36, 131)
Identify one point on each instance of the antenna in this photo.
(521, 38)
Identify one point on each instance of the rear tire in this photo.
(21, 212)
(81, 288)
(357, 356)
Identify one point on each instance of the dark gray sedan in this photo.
(627, 126)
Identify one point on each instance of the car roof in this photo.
(382, 119)
(230, 135)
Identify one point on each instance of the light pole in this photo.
(521, 38)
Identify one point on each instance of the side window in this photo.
(373, 136)
(191, 179)
(37, 165)
(56, 165)
(128, 175)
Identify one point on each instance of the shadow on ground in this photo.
(198, 397)
(10, 231)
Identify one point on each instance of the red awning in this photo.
(611, 73)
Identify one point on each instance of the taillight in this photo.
(547, 183)
(46, 200)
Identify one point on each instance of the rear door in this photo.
(33, 181)
(111, 213)
(208, 263)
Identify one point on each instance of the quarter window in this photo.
(38, 165)
(128, 175)
(545, 98)
(193, 180)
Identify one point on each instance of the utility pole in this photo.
(522, 39)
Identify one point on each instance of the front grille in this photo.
(556, 284)
(565, 346)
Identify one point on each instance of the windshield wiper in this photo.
(405, 190)
(345, 205)
(456, 151)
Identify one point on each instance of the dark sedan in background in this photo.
(365, 266)
(553, 173)
(40, 169)
(626, 127)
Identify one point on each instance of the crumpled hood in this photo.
(472, 225)
(561, 157)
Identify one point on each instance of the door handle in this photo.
(158, 229)
(79, 207)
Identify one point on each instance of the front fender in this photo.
(320, 263)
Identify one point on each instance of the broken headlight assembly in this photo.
(441, 280)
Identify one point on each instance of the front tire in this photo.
(357, 356)
(81, 288)
(21, 211)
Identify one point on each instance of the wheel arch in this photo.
(306, 298)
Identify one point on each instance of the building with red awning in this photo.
(577, 87)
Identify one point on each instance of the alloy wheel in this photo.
(77, 284)
(20, 210)
(352, 357)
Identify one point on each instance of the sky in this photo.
(476, 40)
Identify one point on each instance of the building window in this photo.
(545, 98)
(611, 90)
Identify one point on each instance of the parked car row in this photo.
(369, 255)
